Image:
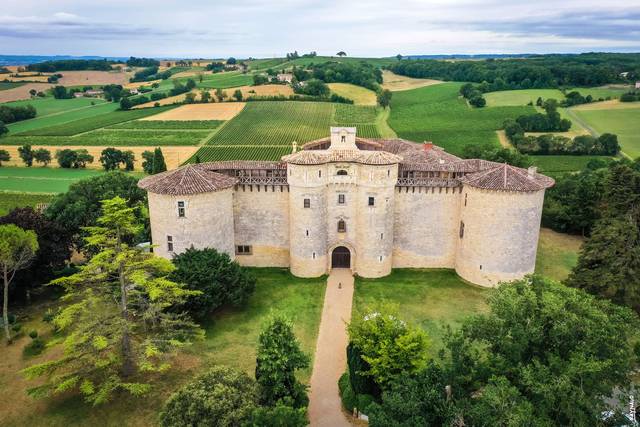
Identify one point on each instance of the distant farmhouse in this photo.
(365, 204)
(637, 85)
(285, 77)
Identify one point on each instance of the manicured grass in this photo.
(436, 113)
(234, 152)
(564, 163)
(431, 299)
(9, 200)
(52, 112)
(168, 124)
(623, 122)
(557, 254)
(10, 85)
(231, 339)
(41, 180)
(358, 94)
(521, 97)
(96, 122)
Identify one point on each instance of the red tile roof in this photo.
(188, 179)
(508, 178)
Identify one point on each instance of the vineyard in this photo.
(211, 154)
(168, 124)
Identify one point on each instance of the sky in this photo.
(373, 28)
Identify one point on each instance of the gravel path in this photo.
(325, 407)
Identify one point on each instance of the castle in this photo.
(347, 202)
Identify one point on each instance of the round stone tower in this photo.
(190, 206)
(500, 216)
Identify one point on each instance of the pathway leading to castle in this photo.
(325, 407)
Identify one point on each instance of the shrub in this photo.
(33, 334)
(221, 280)
(221, 397)
(278, 416)
(35, 347)
(347, 394)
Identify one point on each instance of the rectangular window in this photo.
(243, 250)
(307, 203)
(465, 199)
(170, 243)
(461, 229)
(341, 199)
(181, 209)
(319, 174)
(372, 201)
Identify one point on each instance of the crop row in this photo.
(96, 122)
(168, 124)
(346, 113)
(211, 154)
(114, 137)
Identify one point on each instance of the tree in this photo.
(415, 400)
(80, 206)
(159, 164)
(387, 344)
(3, 128)
(60, 92)
(42, 155)
(221, 397)
(33, 92)
(219, 280)
(117, 323)
(478, 101)
(125, 104)
(278, 416)
(384, 98)
(26, 154)
(111, 158)
(205, 96)
(190, 98)
(17, 249)
(147, 161)
(4, 156)
(68, 158)
(278, 357)
(237, 95)
(313, 87)
(220, 95)
(500, 155)
(544, 351)
(232, 61)
(399, 57)
(341, 54)
(128, 159)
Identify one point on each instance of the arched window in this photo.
(342, 172)
(342, 226)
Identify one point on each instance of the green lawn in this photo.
(231, 339)
(556, 164)
(557, 254)
(520, 97)
(623, 122)
(436, 113)
(9, 200)
(41, 180)
(428, 298)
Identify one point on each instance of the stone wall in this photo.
(261, 219)
(500, 238)
(208, 222)
(426, 227)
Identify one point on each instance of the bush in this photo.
(221, 280)
(350, 399)
(48, 316)
(278, 416)
(221, 397)
(35, 347)
(33, 334)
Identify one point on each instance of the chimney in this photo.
(294, 148)
(428, 145)
(532, 171)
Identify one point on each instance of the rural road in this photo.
(325, 406)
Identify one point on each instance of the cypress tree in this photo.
(158, 161)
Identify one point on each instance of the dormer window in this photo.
(342, 172)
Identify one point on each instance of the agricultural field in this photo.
(261, 90)
(210, 153)
(212, 111)
(146, 123)
(436, 113)
(359, 94)
(624, 122)
(11, 200)
(22, 91)
(10, 85)
(562, 164)
(395, 82)
(41, 180)
(524, 96)
(225, 80)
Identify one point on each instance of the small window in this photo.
(307, 233)
(388, 172)
(314, 255)
(342, 172)
(461, 229)
(307, 203)
(343, 138)
(181, 209)
(342, 226)
(341, 199)
(380, 258)
(372, 201)
(465, 199)
(243, 250)
(480, 266)
(381, 236)
(170, 243)
(319, 174)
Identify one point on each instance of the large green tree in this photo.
(159, 164)
(17, 249)
(278, 357)
(222, 397)
(26, 154)
(548, 352)
(219, 279)
(117, 326)
(4, 154)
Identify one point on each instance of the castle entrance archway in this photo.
(341, 258)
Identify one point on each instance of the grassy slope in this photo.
(623, 122)
(436, 113)
(359, 94)
(520, 97)
(61, 113)
(429, 298)
(557, 254)
(10, 85)
(9, 200)
(555, 164)
(41, 180)
(231, 338)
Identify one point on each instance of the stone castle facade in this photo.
(347, 202)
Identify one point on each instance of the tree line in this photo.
(537, 71)
(71, 65)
